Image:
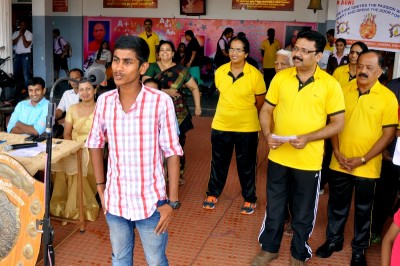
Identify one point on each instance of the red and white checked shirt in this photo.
(137, 142)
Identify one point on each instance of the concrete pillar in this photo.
(42, 40)
(6, 33)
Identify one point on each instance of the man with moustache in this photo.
(151, 38)
(70, 96)
(293, 121)
(370, 124)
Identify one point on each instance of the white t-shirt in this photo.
(19, 47)
(69, 98)
(323, 63)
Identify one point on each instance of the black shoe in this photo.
(327, 249)
(358, 259)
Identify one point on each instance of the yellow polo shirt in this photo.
(342, 74)
(152, 42)
(329, 47)
(236, 110)
(270, 53)
(365, 116)
(301, 111)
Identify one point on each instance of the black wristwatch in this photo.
(174, 204)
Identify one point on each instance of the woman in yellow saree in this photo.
(78, 122)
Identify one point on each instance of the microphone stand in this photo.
(94, 77)
(47, 228)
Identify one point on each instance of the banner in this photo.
(130, 3)
(207, 32)
(276, 5)
(377, 25)
(60, 5)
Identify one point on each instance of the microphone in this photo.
(19, 146)
(95, 76)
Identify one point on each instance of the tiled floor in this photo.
(202, 237)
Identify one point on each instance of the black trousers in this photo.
(182, 160)
(269, 74)
(326, 171)
(341, 187)
(386, 190)
(59, 62)
(245, 145)
(304, 186)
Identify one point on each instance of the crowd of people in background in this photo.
(324, 113)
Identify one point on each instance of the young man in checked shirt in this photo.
(139, 125)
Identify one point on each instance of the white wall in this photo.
(215, 9)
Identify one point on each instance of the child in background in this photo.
(391, 243)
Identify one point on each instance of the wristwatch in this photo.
(363, 161)
(174, 204)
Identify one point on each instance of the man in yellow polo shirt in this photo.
(370, 124)
(293, 120)
(343, 74)
(269, 47)
(151, 38)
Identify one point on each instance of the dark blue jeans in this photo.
(22, 63)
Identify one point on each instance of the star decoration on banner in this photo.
(204, 27)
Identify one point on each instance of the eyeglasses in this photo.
(303, 50)
(236, 50)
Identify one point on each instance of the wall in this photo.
(71, 26)
(215, 9)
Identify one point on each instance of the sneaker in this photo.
(248, 208)
(209, 203)
(375, 238)
(263, 258)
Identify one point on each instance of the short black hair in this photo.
(245, 42)
(331, 32)
(166, 42)
(77, 70)
(381, 60)
(341, 40)
(190, 33)
(241, 34)
(271, 30)
(136, 44)
(57, 32)
(315, 36)
(37, 81)
(148, 20)
(362, 45)
(227, 30)
(156, 81)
